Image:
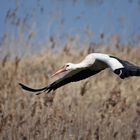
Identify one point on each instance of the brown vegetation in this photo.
(103, 107)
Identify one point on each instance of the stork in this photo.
(91, 65)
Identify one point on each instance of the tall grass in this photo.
(102, 107)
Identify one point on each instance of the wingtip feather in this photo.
(36, 91)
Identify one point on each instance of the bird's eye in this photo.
(67, 65)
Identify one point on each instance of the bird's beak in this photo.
(62, 69)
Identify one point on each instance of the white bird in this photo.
(91, 65)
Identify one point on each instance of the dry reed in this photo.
(102, 107)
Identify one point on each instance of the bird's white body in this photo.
(111, 62)
(91, 58)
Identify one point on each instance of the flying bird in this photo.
(91, 65)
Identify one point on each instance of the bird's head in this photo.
(66, 67)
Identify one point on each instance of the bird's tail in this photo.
(36, 91)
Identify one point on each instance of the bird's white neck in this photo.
(80, 65)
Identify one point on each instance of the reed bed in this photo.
(102, 107)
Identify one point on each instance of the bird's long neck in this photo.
(80, 65)
(87, 62)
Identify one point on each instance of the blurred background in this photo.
(36, 38)
(28, 27)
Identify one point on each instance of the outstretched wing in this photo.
(128, 70)
(31, 89)
(75, 76)
(72, 76)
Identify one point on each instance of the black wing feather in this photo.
(128, 70)
(72, 76)
(76, 76)
(31, 89)
(85, 73)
